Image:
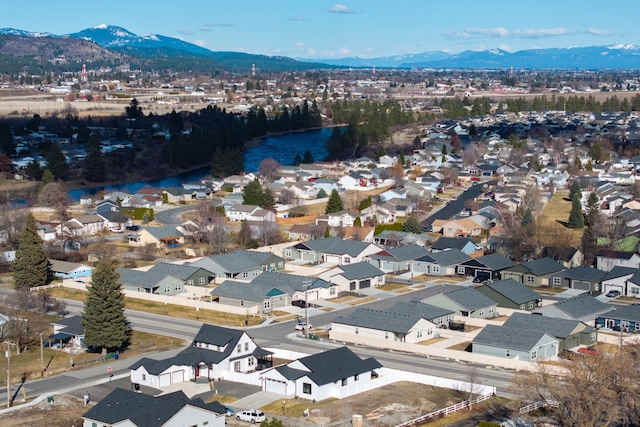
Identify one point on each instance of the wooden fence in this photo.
(446, 411)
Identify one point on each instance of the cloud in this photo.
(210, 27)
(185, 32)
(340, 8)
(201, 43)
(599, 33)
(298, 19)
(345, 51)
(500, 32)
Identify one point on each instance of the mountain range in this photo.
(157, 46)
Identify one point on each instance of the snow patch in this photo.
(101, 27)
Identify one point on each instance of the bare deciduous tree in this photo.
(54, 195)
(269, 169)
(470, 154)
(287, 197)
(269, 233)
(12, 221)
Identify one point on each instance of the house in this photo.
(394, 324)
(214, 353)
(510, 293)
(150, 282)
(397, 259)
(332, 250)
(336, 373)
(250, 213)
(69, 270)
(583, 278)
(240, 264)
(399, 238)
(307, 231)
(464, 244)
(466, 302)
(82, 225)
(442, 263)
(570, 333)
(525, 344)
(354, 277)
(486, 267)
(342, 218)
(190, 275)
(271, 290)
(625, 280)
(161, 237)
(568, 256)
(533, 273)
(625, 319)
(583, 307)
(466, 227)
(607, 259)
(69, 332)
(46, 231)
(127, 408)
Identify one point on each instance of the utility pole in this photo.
(305, 330)
(41, 356)
(8, 373)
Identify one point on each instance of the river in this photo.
(282, 148)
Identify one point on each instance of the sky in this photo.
(316, 29)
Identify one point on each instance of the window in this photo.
(557, 281)
(287, 253)
(530, 279)
(251, 361)
(190, 282)
(306, 388)
(508, 353)
(264, 268)
(144, 377)
(356, 331)
(522, 307)
(332, 291)
(419, 334)
(481, 313)
(239, 349)
(245, 275)
(635, 291)
(344, 382)
(178, 286)
(347, 260)
(356, 377)
(280, 264)
(435, 269)
(530, 305)
(534, 355)
(386, 335)
(202, 281)
(267, 305)
(460, 270)
(246, 346)
(167, 289)
(352, 286)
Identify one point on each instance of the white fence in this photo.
(446, 411)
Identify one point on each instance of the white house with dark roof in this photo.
(583, 307)
(625, 280)
(527, 345)
(336, 373)
(332, 250)
(465, 302)
(250, 213)
(354, 277)
(441, 263)
(606, 260)
(214, 353)
(397, 259)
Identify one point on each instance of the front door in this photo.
(197, 371)
(236, 366)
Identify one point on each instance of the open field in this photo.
(554, 217)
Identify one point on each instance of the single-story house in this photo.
(393, 238)
(240, 264)
(336, 373)
(189, 274)
(570, 333)
(568, 256)
(625, 280)
(164, 236)
(583, 307)
(466, 302)
(69, 270)
(130, 409)
(464, 244)
(584, 278)
(510, 293)
(354, 277)
(150, 282)
(69, 332)
(626, 319)
(487, 266)
(442, 263)
(533, 273)
(397, 259)
(526, 344)
(332, 250)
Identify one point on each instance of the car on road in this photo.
(454, 198)
(613, 294)
(428, 228)
(300, 303)
(301, 326)
(251, 415)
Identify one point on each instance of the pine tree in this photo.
(253, 194)
(527, 218)
(592, 210)
(243, 238)
(576, 218)
(308, 157)
(56, 162)
(575, 190)
(411, 225)
(321, 194)
(31, 266)
(105, 325)
(335, 203)
(357, 222)
(268, 201)
(94, 168)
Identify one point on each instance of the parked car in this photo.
(588, 350)
(251, 415)
(115, 230)
(613, 294)
(300, 303)
(428, 228)
(133, 227)
(301, 326)
(454, 198)
(230, 412)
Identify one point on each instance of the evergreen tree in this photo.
(589, 247)
(297, 160)
(592, 210)
(105, 325)
(6, 140)
(321, 194)
(335, 203)
(56, 162)
(94, 168)
(327, 232)
(34, 170)
(357, 222)
(268, 201)
(253, 194)
(527, 217)
(31, 266)
(307, 157)
(411, 225)
(576, 218)
(575, 190)
(401, 159)
(243, 238)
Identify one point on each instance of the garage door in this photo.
(276, 386)
(177, 377)
(365, 284)
(584, 286)
(165, 380)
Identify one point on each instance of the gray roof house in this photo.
(625, 318)
(583, 278)
(466, 302)
(125, 407)
(441, 263)
(190, 275)
(464, 244)
(526, 344)
(607, 259)
(336, 373)
(241, 264)
(396, 259)
(332, 250)
(571, 333)
(150, 282)
(353, 277)
(583, 307)
(625, 280)
(214, 353)
(488, 266)
(533, 273)
(69, 331)
(510, 293)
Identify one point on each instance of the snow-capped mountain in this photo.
(23, 33)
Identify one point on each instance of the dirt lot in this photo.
(388, 405)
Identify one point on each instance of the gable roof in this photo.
(163, 231)
(494, 261)
(581, 305)
(334, 245)
(513, 291)
(331, 366)
(584, 273)
(234, 262)
(448, 257)
(143, 409)
(543, 266)
(509, 338)
(469, 298)
(360, 270)
(555, 326)
(444, 243)
(425, 311)
(401, 253)
(58, 266)
(142, 279)
(181, 271)
(381, 320)
(72, 325)
(620, 271)
(628, 312)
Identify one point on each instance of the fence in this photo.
(446, 411)
(43, 287)
(537, 405)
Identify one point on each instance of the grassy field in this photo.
(553, 219)
(55, 361)
(217, 317)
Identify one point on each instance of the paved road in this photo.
(451, 209)
(173, 216)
